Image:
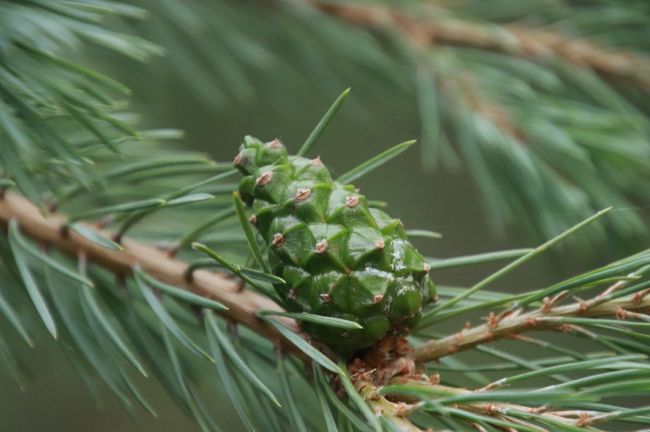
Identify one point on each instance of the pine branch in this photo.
(492, 409)
(548, 317)
(51, 230)
(481, 407)
(398, 409)
(516, 40)
(146, 323)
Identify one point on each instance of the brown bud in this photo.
(278, 240)
(326, 297)
(321, 246)
(274, 144)
(427, 267)
(264, 178)
(302, 194)
(292, 294)
(380, 244)
(316, 161)
(238, 159)
(253, 219)
(352, 201)
(434, 379)
(377, 298)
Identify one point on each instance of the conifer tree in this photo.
(288, 290)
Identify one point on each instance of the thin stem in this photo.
(540, 319)
(501, 409)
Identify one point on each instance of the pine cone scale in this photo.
(338, 256)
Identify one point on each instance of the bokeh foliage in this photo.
(543, 103)
(550, 142)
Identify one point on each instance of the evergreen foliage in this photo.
(543, 102)
(107, 227)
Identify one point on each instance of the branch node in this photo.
(492, 321)
(538, 410)
(490, 409)
(531, 322)
(241, 285)
(104, 222)
(582, 307)
(639, 296)
(172, 251)
(117, 238)
(53, 206)
(583, 420)
(188, 274)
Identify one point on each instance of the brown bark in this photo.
(48, 229)
(536, 44)
(541, 319)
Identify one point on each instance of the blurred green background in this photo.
(373, 119)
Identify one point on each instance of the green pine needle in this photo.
(168, 321)
(317, 319)
(516, 263)
(375, 162)
(302, 345)
(248, 231)
(323, 123)
(239, 363)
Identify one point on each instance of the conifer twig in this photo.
(51, 230)
(513, 39)
(493, 409)
(544, 318)
(244, 305)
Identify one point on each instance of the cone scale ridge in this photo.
(339, 257)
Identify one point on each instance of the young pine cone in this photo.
(339, 257)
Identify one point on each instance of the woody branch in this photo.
(392, 406)
(244, 305)
(50, 230)
(536, 44)
(547, 317)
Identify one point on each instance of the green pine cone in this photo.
(339, 257)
